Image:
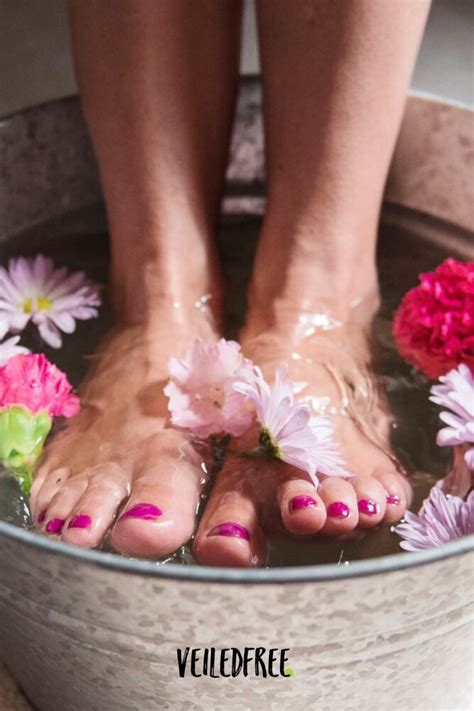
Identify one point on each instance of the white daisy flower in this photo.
(9, 348)
(289, 431)
(53, 299)
(455, 394)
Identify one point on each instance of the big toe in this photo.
(159, 516)
(228, 533)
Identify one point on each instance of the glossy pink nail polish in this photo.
(80, 521)
(235, 530)
(41, 516)
(393, 499)
(302, 502)
(338, 509)
(55, 525)
(147, 512)
(368, 507)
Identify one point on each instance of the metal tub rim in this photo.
(198, 573)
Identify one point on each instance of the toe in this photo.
(302, 509)
(397, 493)
(54, 515)
(93, 513)
(228, 534)
(340, 501)
(371, 501)
(45, 488)
(159, 516)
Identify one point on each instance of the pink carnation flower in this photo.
(434, 324)
(289, 430)
(201, 393)
(33, 382)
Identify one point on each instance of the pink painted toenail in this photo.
(369, 507)
(55, 525)
(80, 521)
(148, 512)
(393, 499)
(229, 528)
(302, 502)
(338, 509)
(42, 516)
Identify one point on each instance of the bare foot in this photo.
(330, 362)
(117, 466)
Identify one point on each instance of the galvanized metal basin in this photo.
(89, 630)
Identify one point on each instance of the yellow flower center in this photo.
(41, 303)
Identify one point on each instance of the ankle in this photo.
(313, 297)
(166, 283)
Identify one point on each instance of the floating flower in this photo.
(53, 299)
(9, 348)
(441, 519)
(289, 431)
(434, 325)
(201, 393)
(32, 392)
(456, 393)
(38, 385)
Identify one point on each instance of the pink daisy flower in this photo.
(53, 299)
(442, 518)
(34, 383)
(9, 349)
(455, 394)
(434, 325)
(289, 431)
(201, 393)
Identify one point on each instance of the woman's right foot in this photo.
(117, 466)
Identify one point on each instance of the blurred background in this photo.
(35, 64)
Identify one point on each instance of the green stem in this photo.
(24, 479)
(249, 453)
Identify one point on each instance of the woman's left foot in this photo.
(330, 364)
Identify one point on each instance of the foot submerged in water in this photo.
(118, 468)
(331, 367)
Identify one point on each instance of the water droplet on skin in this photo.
(299, 386)
(201, 303)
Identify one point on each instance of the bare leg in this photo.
(335, 75)
(157, 82)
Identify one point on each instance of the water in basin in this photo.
(79, 241)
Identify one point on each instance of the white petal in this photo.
(50, 334)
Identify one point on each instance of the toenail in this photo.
(302, 502)
(80, 521)
(148, 512)
(338, 509)
(55, 525)
(393, 499)
(369, 507)
(41, 516)
(229, 528)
